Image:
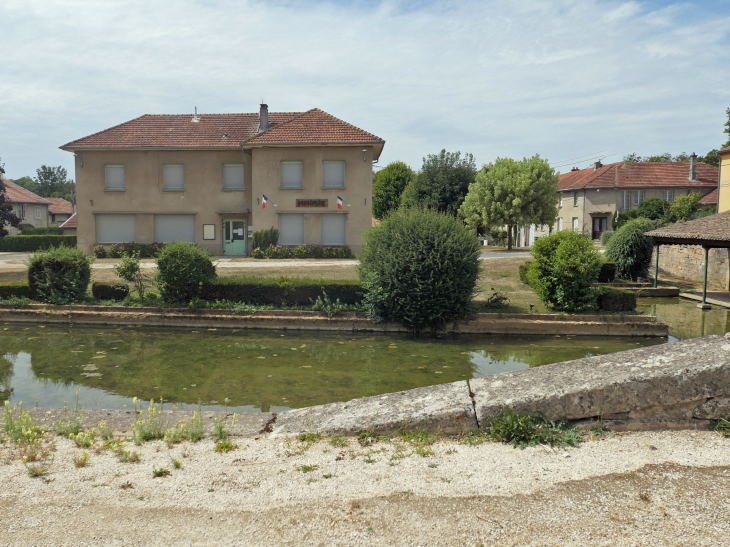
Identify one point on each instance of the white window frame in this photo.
(281, 173)
(343, 174)
(625, 200)
(575, 224)
(638, 197)
(37, 212)
(164, 178)
(561, 200)
(106, 178)
(668, 195)
(243, 180)
(575, 199)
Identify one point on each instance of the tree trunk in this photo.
(509, 237)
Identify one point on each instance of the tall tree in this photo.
(512, 192)
(388, 186)
(50, 179)
(442, 183)
(6, 209)
(727, 128)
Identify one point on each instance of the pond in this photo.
(685, 319)
(256, 370)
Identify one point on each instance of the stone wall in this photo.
(687, 262)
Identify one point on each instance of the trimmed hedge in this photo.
(109, 291)
(118, 250)
(291, 292)
(616, 300)
(24, 244)
(606, 236)
(523, 269)
(608, 272)
(18, 289)
(303, 251)
(41, 231)
(60, 275)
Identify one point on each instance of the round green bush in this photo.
(59, 275)
(182, 269)
(419, 267)
(631, 250)
(605, 236)
(565, 265)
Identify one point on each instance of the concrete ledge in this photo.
(667, 383)
(447, 408)
(482, 323)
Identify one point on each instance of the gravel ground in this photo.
(647, 488)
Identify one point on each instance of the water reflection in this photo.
(257, 371)
(685, 319)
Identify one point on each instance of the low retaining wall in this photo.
(688, 262)
(679, 385)
(482, 323)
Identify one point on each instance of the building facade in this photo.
(723, 197)
(32, 210)
(589, 198)
(214, 179)
(59, 211)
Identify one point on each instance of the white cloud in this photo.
(509, 78)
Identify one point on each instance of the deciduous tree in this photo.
(388, 187)
(511, 192)
(7, 216)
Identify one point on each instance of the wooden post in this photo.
(656, 269)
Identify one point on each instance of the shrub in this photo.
(607, 272)
(18, 289)
(258, 253)
(182, 270)
(617, 300)
(129, 270)
(419, 267)
(109, 291)
(28, 244)
(60, 275)
(683, 208)
(523, 269)
(264, 238)
(631, 250)
(100, 251)
(41, 231)
(284, 290)
(623, 218)
(564, 268)
(142, 250)
(300, 251)
(605, 236)
(652, 208)
(277, 251)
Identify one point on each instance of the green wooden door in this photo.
(234, 237)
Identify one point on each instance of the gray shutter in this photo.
(116, 228)
(291, 229)
(292, 174)
(114, 177)
(175, 228)
(232, 176)
(333, 174)
(174, 177)
(333, 229)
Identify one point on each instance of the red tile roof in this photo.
(60, 206)
(314, 127)
(724, 150)
(18, 194)
(710, 199)
(639, 175)
(712, 228)
(224, 131)
(70, 223)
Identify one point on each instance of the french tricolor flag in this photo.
(339, 202)
(263, 202)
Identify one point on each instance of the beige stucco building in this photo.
(32, 210)
(589, 198)
(723, 197)
(204, 179)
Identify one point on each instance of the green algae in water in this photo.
(257, 370)
(685, 319)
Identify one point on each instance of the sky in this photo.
(570, 80)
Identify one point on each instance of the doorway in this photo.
(234, 237)
(600, 224)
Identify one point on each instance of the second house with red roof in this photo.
(202, 178)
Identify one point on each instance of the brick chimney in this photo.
(597, 165)
(263, 117)
(693, 167)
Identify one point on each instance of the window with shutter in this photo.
(333, 229)
(175, 228)
(291, 229)
(292, 174)
(116, 228)
(233, 176)
(114, 177)
(174, 176)
(668, 195)
(333, 174)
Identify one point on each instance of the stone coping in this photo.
(481, 323)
